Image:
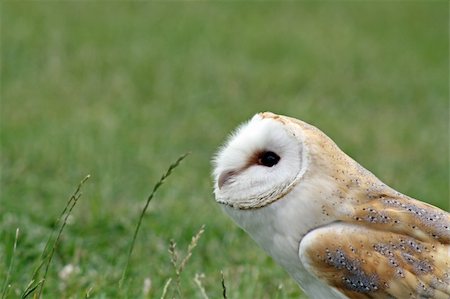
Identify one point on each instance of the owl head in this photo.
(271, 154)
(259, 163)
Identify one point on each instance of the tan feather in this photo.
(365, 263)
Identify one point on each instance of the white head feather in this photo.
(242, 182)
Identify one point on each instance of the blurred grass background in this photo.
(121, 89)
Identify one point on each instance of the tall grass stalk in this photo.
(46, 256)
(150, 197)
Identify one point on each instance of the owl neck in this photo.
(278, 228)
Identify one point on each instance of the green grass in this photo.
(119, 90)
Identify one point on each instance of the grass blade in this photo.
(150, 197)
(224, 288)
(31, 288)
(46, 256)
(8, 275)
(166, 287)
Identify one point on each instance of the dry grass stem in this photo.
(198, 281)
(191, 247)
(150, 197)
(224, 288)
(174, 258)
(166, 287)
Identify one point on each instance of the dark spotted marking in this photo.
(355, 279)
(419, 267)
(433, 219)
(361, 283)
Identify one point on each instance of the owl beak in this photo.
(224, 177)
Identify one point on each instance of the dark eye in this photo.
(268, 159)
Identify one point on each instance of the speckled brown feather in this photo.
(366, 263)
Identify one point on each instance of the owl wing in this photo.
(361, 262)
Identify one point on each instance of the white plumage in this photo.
(336, 229)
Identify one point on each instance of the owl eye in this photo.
(268, 159)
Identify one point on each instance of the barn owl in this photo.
(331, 224)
